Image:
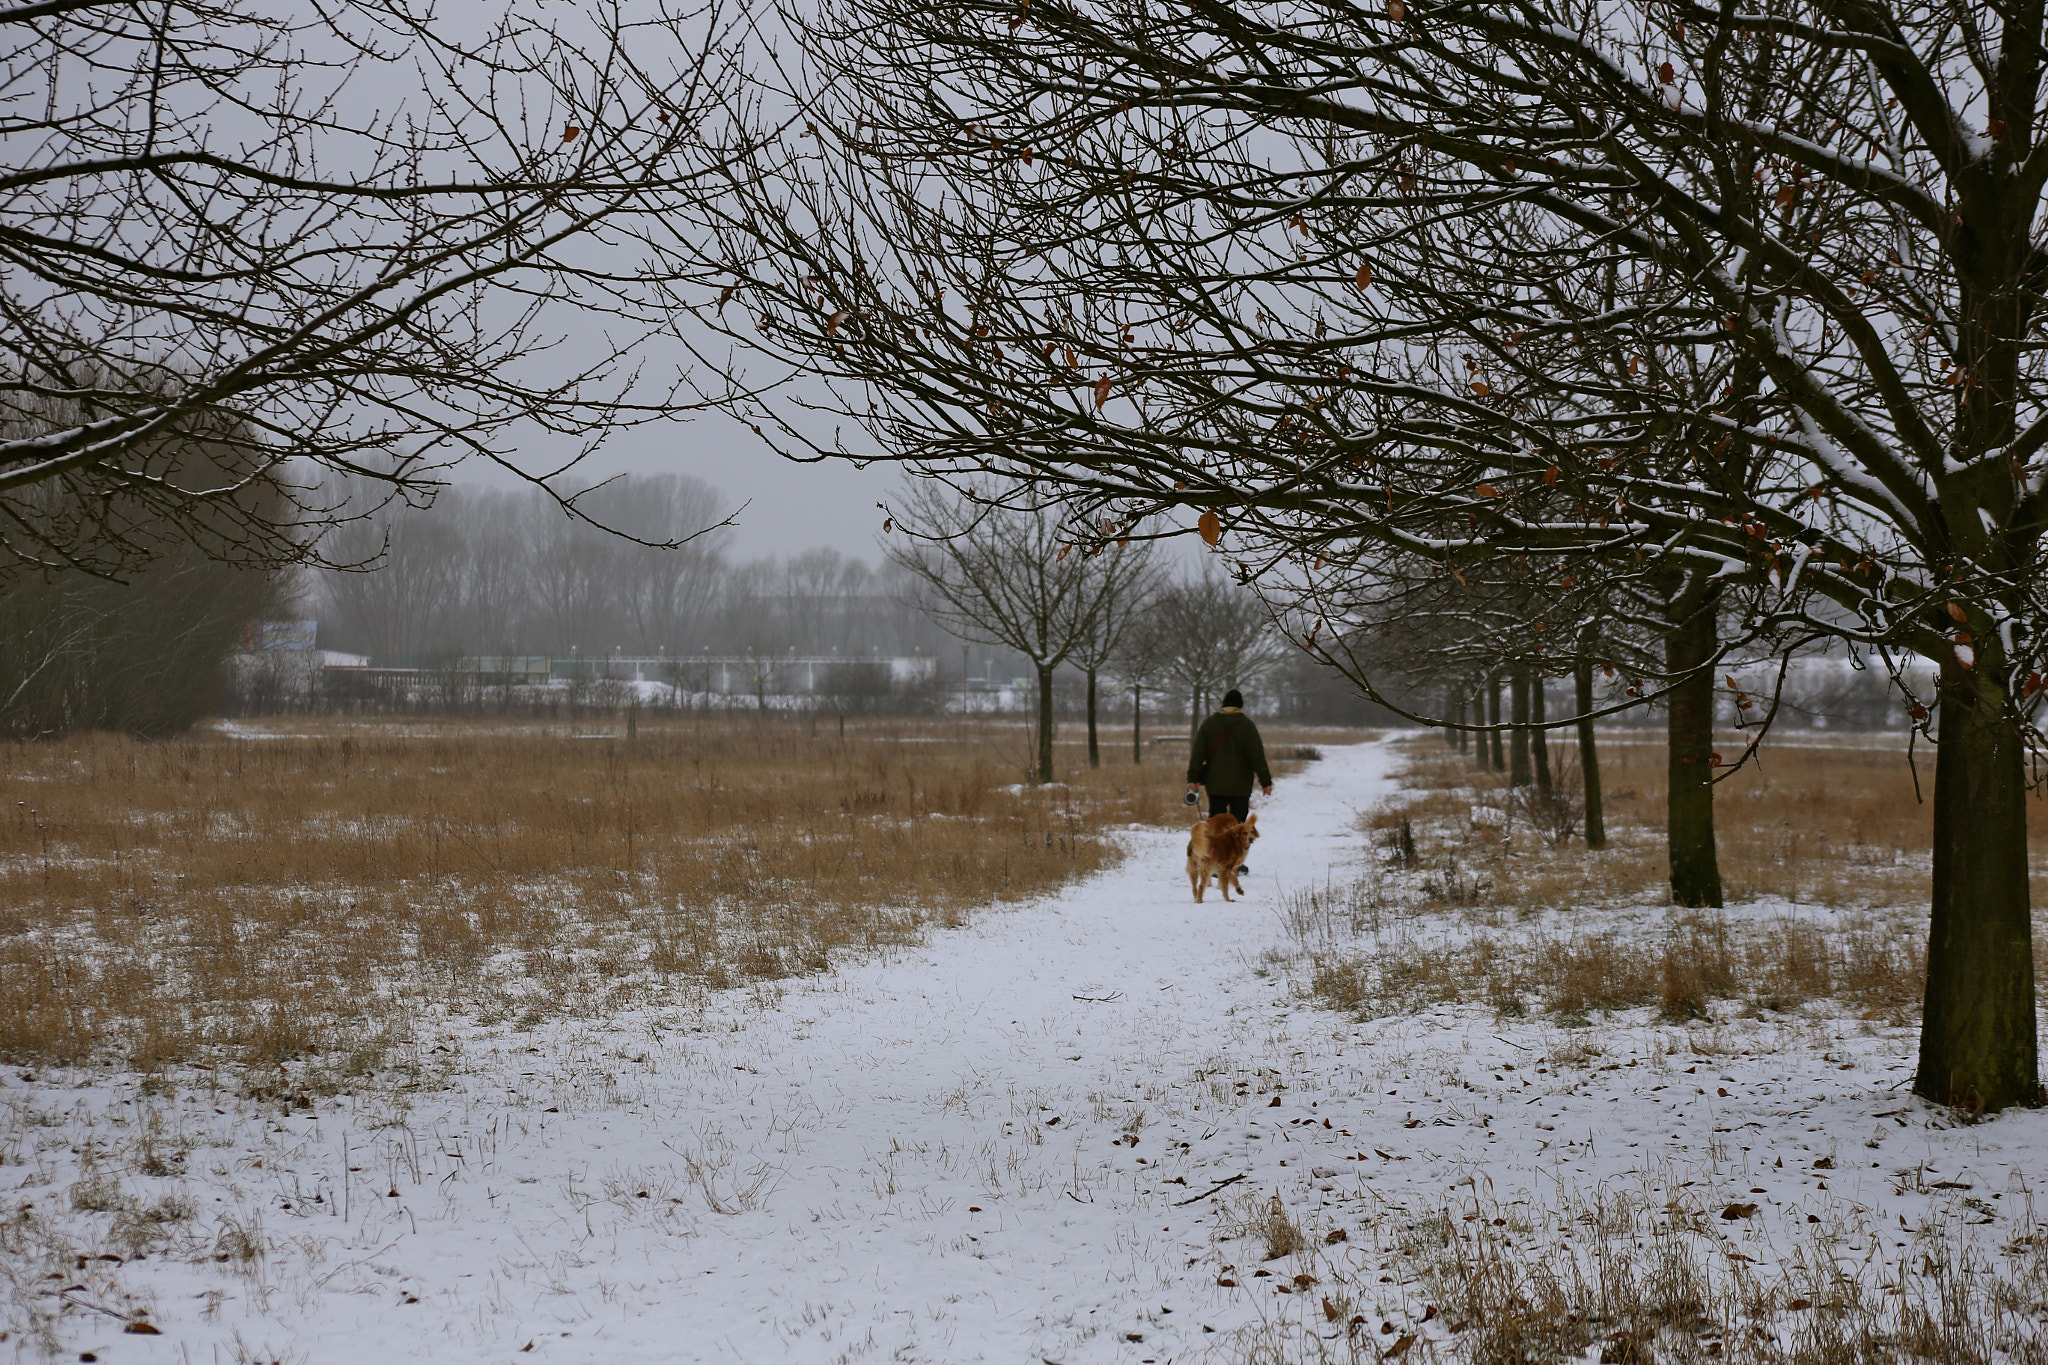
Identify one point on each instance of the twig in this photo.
(67, 1293)
(1109, 999)
(1221, 1184)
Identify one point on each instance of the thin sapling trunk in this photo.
(1589, 757)
(1500, 762)
(1094, 748)
(1044, 723)
(1518, 740)
(1137, 727)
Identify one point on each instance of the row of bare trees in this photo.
(489, 571)
(1717, 326)
(1015, 576)
(1715, 330)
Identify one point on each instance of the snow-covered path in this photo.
(995, 1146)
(935, 1143)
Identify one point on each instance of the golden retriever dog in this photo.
(1220, 845)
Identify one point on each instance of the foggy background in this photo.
(788, 507)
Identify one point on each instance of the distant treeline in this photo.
(498, 572)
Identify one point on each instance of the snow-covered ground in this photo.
(1004, 1145)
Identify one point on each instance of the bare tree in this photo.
(407, 608)
(496, 590)
(667, 586)
(1384, 275)
(1124, 586)
(757, 626)
(1210, 635)
(1008, 577)
(218, 224)
(1140, 660)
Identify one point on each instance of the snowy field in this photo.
(1071, 1132)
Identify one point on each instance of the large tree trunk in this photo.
(1539, 738)
(1977, 1033)
(1450, 708)
(1689, 803)
(1589, 757)
(1044, 723)
(1094, 749)
(1500, 763)
(1518, 738)
(1137, 723)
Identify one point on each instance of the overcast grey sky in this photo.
(790, 507)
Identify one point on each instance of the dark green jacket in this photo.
(1228, 754)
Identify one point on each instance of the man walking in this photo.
(1228, 754)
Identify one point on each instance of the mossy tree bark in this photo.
(1589, 756)
(1690, 645)
(1978, 1047)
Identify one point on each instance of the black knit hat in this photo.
(1233, 698)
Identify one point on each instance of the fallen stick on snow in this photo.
(1221, 1184)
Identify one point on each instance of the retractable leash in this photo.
(1189, 798)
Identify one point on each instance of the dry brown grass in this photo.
(1646, 1277)
(1643, 1280)
(1876, 964)
(1832, 825)
(292, 906)
(1820, 820)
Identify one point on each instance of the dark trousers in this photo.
(1240, 806)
